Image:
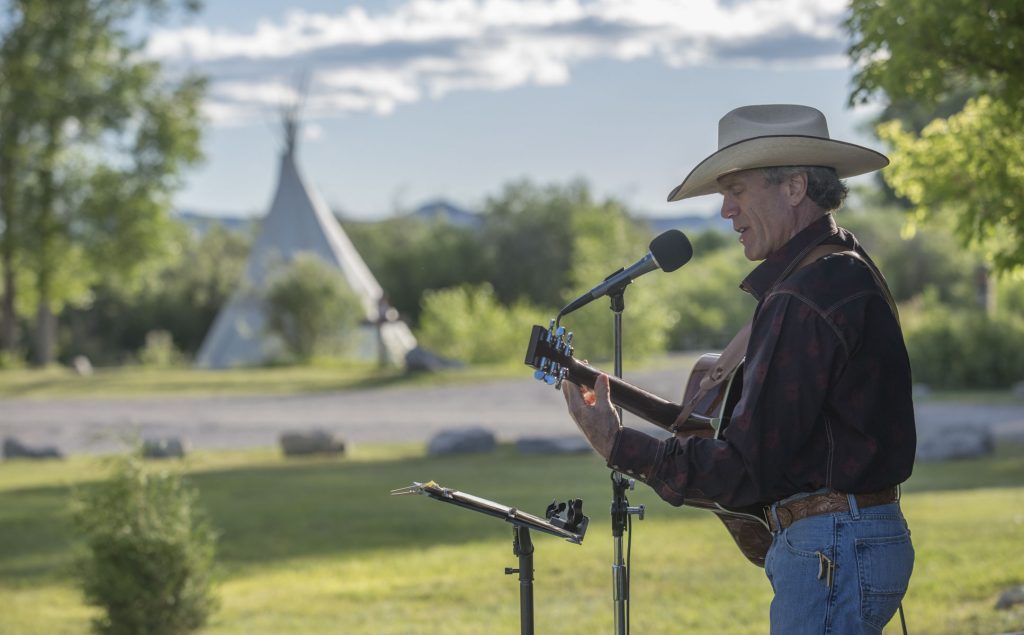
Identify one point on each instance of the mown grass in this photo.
(318, 546)
(133, 382)
(138, 382)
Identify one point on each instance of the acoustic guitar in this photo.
(550, 352)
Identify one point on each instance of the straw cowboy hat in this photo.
(775, 135)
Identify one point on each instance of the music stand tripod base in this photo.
(564, 521)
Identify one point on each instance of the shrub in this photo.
(149, 552)
(964, 349)
(160, 351)
(310, 306)
(469, 324)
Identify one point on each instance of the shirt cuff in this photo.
(635, 453)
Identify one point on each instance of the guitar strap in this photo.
(736, 350)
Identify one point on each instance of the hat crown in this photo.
(771, 120)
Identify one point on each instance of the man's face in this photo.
(759, 211)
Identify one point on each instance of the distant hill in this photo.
(201, 223)
(689, 224)
(442, 210)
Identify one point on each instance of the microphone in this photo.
(668, 251)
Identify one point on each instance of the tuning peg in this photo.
(562, 373)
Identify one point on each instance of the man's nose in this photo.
(729, 208)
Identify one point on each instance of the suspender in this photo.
(736, 349)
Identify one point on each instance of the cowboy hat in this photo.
(775, 135)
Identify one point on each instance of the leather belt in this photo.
(827, 503)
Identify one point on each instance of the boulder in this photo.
(462, 441)
(15, 449)
(1011, 598)
(961, 442)
(311, 442)
(170, 448)
(573, 444)
(420, 359)
(82, 365)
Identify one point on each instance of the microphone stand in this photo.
(620, 508)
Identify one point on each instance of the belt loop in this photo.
(854, 509)
(774, 514)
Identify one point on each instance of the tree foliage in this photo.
(180, 295)
(924, 56)
(93, 138)
(410, 257)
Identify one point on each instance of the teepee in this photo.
(299, 221)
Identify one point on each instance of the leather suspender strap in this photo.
(736, 349)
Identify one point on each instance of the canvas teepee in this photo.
(298, 221)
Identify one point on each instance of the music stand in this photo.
(563, 520)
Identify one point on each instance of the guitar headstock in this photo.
(549, 352)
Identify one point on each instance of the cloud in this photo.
(357, 61)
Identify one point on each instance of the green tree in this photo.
(182, 296)
(410, 257)
(310, 307)
(529, 232)
(924, 55)
(94, 139)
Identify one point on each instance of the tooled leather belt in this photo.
(827, 503)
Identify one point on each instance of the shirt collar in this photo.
(781, 262)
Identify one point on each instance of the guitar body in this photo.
(747, 526)
(551, 354)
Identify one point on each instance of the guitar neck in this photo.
(635, 400)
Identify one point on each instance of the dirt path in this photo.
(511, 408)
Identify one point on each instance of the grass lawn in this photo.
(318, 546)
(136, 381)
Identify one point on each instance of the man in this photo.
(823, 433)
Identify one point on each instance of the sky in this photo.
(408, 101)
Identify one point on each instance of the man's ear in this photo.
(796, 188)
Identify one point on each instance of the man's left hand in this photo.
(593, 412)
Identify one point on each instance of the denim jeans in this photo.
(840, 573)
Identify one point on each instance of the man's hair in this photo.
(823, 184)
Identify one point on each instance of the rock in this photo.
(311, 442)
(420, 359)
(82, 365)
(1011, 598)
(574, 444)
(463, 441)
(170, 448)
(14, 449)
(961, 442)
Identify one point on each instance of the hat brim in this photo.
(848, 159)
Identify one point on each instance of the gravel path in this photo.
(512, 408)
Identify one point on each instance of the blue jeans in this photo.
(840, 573)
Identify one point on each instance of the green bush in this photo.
(964, 349)
(311, 307)
(160, 351)
(706, 295)
(149, 552)
(468, 323)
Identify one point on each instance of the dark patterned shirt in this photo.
(826, 398)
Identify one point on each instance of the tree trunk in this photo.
(46, 335)
(45, 320)
(8, 318)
